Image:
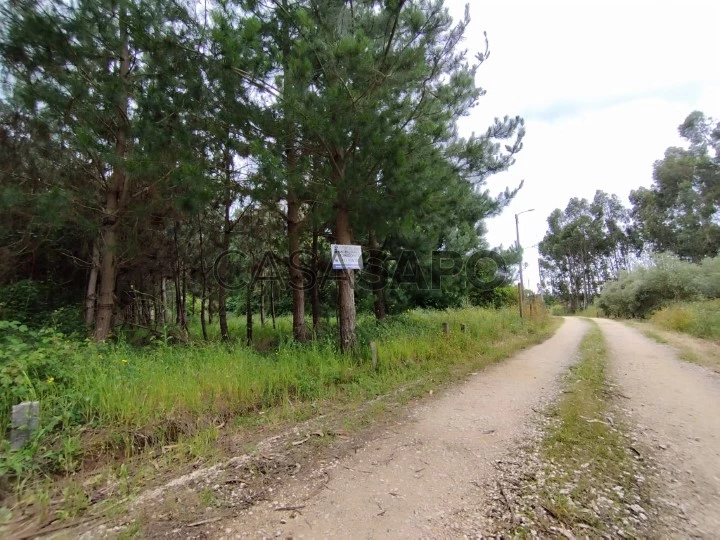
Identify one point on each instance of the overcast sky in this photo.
(602, 87)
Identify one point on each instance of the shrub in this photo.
(41, 304)
(643, 291)
(33, 363)
(497, 298)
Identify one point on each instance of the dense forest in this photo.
(591, 243)
(162, 158)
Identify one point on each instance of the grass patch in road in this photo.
(588, 480)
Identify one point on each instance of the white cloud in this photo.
(602, 86)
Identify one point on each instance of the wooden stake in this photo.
(373, 352)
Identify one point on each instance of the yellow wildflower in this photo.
(51, 380)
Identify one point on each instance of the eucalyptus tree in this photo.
(586, 245)
(679, 212)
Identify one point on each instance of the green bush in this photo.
(497, 298)
(41, 304)
(33, 363)
(643, 291)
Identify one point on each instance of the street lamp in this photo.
(517, 232)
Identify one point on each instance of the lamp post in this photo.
(517, 233)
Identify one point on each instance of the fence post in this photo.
(25, 419)
(446, 328)
(373, 353)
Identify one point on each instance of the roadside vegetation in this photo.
(225, 149)
(700, 319)
(113, 401)
(669, 293)
(587, 479)
(630, 262)
(701, 351)
(666, 282)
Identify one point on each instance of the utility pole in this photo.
(540, 284)
(517, 233)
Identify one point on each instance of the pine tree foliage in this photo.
(144, 142)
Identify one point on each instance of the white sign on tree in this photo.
(346, 257)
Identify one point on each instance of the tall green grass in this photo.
(700, 319)
(124, 399)
(183, 386)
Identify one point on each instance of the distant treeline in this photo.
(593, 242)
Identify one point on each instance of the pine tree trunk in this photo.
(222, 274)
(315, 291)
(164, 316)
(203, 322)
(108, 271)
(262, 303)
(249, 314)
(296, 277)
(180, 315)
(156, 309)
(203, 283)
(184, 321)
(144, 299)
(115, 198)
(346, 283)
(375, 269)
(91, 295)
(272, 302)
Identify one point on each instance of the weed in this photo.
(75, 501)
(207, 497)
(700, 319)
(690, 356)
(133, 530)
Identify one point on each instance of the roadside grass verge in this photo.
(652, 334)
(102, 405)
(700, 319)
(587, 482)
(703, 352)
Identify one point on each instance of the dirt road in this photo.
(422, 479)
(676, 408)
